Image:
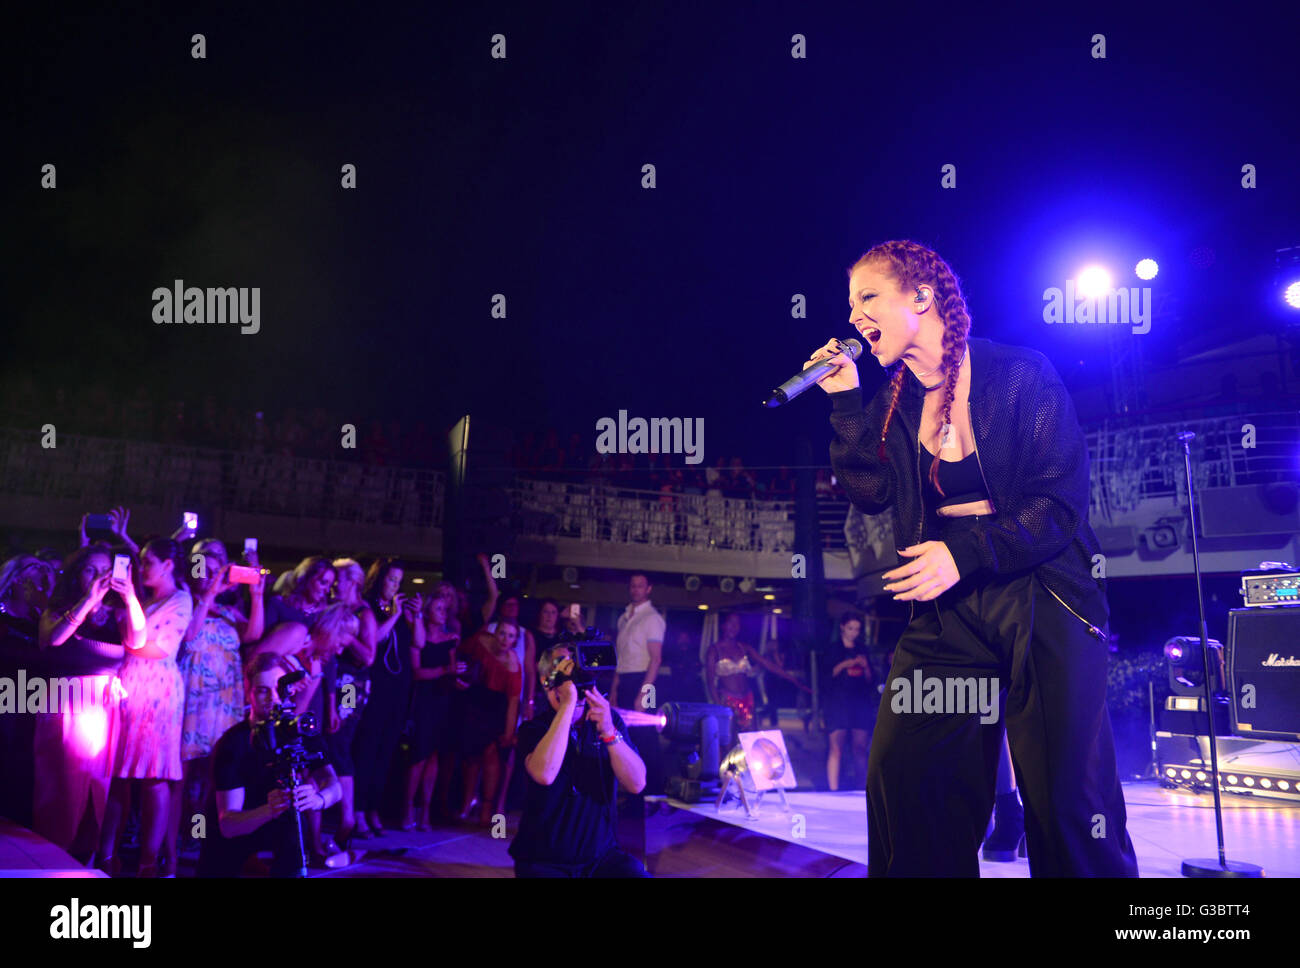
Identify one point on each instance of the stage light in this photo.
(1248, 781)
(702, 608)
(1292, 295)
(776, 611)
(1232, 779)
(692, 583)
(420, 581)
(570, 575)
(1146, 269)
(1171, 773)
(1266, 783)
(1093, 281)
(1186, 666)
(728, 585)
(1283, 785)
(758, 764)
(694, 732)
(769, 598)
(1186, 774)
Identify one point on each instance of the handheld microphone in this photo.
(804, 379)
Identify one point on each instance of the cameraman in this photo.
(575, 755)
(248, 811)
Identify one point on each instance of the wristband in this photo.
(612, 739)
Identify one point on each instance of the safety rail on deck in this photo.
(1135, 463)
(599, 512)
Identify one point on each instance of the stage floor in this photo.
(1166, 826)
(693, 840)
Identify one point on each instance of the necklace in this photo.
(928, 372)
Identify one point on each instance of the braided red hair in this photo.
(912, 265)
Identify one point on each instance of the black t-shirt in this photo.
(237, 763)
(572, 820)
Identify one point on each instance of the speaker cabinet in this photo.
(1264, 671)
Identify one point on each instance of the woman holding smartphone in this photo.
(76, 748)
(153, 708)
(214, 676)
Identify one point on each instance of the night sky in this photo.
(523, 177)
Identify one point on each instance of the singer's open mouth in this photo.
(872, 334)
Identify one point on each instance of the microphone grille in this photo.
(851, 348)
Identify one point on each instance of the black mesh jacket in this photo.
(1031, 452)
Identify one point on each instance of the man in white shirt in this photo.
(640, 648)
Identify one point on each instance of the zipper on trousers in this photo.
(1092, 629)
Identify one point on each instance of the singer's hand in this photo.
(843, 378)
(929, 574)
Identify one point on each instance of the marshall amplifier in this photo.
(1264, 672)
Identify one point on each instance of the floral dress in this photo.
(154, 704)
(214, 682)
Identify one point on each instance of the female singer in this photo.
(976, 448)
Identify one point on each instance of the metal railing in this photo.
(94, 469)
(1129, 464)
(600, 512)
(1136, 463)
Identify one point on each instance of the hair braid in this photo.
(912, 265)
(897, 389)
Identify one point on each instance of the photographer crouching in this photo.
(575, 754)
(258, 767)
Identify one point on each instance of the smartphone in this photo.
(98, 522)
(191, 520)
(121, 567)
(250, 544)
(244, 575)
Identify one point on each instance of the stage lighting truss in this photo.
(1195, 776)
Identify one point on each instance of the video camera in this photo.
(279, 738)
(591, 654)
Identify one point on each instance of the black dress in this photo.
(431, 704)
(380, 729)
(851, 699)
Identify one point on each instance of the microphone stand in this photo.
(1203, 866)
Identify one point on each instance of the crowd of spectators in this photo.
(177, 650)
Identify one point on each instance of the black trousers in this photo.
(931, 773)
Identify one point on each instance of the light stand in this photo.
(1203, 866)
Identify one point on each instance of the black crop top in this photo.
(961, 480)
